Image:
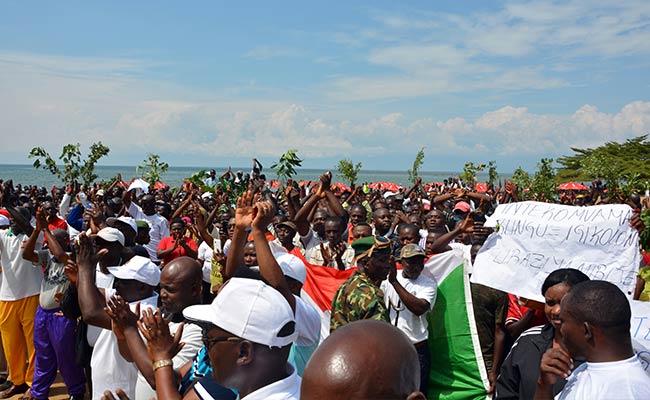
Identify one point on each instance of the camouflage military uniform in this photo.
(357, 298)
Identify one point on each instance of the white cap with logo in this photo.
(111, 235)
(126, 220)
(249, 309)
(138, 268)
(292, 266)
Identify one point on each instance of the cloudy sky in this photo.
(216, 83)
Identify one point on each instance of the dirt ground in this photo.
(57, 392)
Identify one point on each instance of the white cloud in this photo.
(134, 117)
(518, 46)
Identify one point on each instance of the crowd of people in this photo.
(196, 293)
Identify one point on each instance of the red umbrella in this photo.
(572, 186)
(481, 187)
(160, 185)
(342, 187)
(390, 186)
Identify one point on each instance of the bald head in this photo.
(183, 270)
(180, 285)
(363, 359)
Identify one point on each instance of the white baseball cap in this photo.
(293, 267)
(249, 309)
(111, 235)
(127, 220)
(138, 268)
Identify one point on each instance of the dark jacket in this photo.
(520, 370)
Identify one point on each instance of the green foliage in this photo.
(544, 180)
(414, 173)
(493, 175)
(622, 166)
(197, 178)
(74, 167)
(348, 170)
(523, 181)
(644, 237)
(286, 166)
(152, 168)
(469, 173)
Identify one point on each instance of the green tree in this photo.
(470, 170)
(286, 166)
(617, 164)
(523, 181)
(544, 180)
(414, 173)
(152, 169)
(74, 166)
(348, 170)
(493, 175)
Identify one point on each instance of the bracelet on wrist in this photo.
(161, 364)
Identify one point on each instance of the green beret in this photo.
(378, 244)
(142, 224)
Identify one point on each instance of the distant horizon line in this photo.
(266, 169)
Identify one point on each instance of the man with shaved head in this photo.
(180, 287)
(595, 327)
(363, 360)
(147, 211)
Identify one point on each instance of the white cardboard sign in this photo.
(534, 239)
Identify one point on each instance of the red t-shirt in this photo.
(168, 243)
(57, 223)
(517, 312)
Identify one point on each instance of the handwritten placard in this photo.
(534, 239)
(640, 332)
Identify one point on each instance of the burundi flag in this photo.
(457, 369)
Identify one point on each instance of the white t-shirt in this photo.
(159, 229)
(414, 326)
(316, 257)
(192, 337)
(285, 389)
(625, 379)
(20, 278)
(109, 369)
(54, 280)
(307, 323)
(310, 242)
(205, 254)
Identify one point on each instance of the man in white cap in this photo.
(147, 211)
(248, 331)
(308, 323)
(20, 286)
(134, 282)
(127, 226)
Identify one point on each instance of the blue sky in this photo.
(215, 83)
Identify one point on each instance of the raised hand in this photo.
(41, 221)
(160, 344)
(71, 270)
(263, 214)
(244, 212)
(325, 252)
(86, 255)
(121, 313)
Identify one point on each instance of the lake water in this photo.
(27, 174)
